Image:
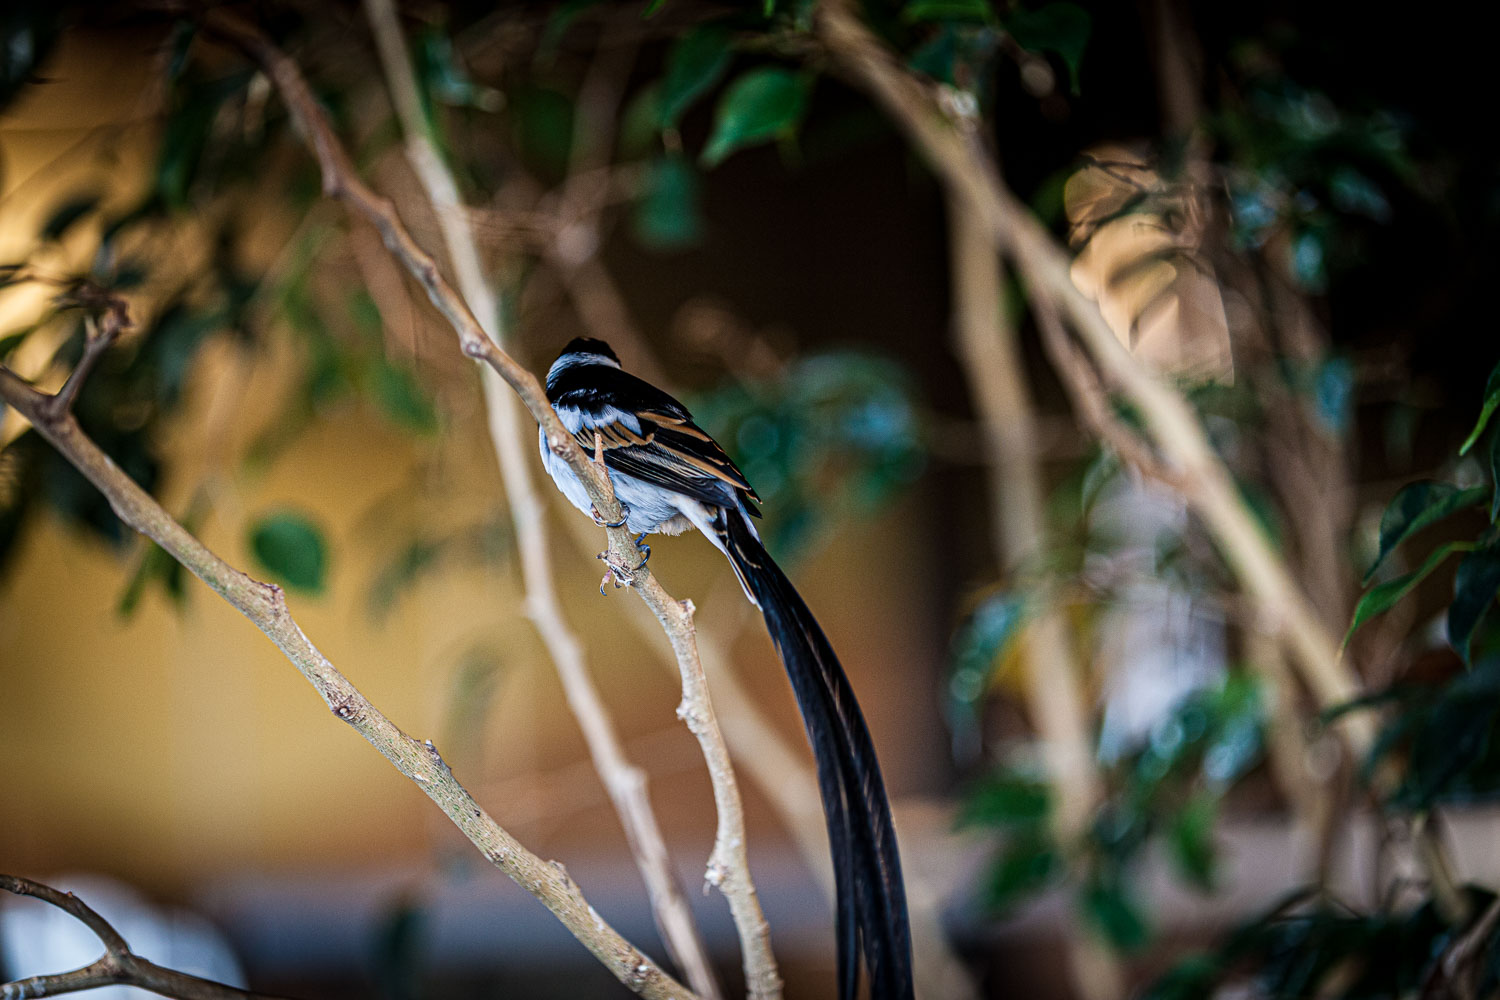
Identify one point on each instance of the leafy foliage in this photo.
(290, 547)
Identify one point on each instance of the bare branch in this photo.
(953, 151)
(986, 343)
(119, 966)
(265, 606)
(99, 336)
(625, 782)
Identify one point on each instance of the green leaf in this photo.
(1108, 906)
(948, 10)
(1190, 839)
(290, 547)
(1062, 28)
(1384, 596)
(1417, 506)
(1494, 478)
(1474, 589)
(694, 64)
(667, 217)
(67, 215)
(1025, 865)
(543, 120)
(760, 105)
(401, 398)
(1491, 400)
(1007, 800)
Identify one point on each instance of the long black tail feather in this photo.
(871, 898)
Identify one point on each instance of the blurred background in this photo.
(1285, 212)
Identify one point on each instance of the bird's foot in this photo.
(616, 572)
(601, 522)
(644, 549)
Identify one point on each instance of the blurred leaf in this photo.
(980, 642)
(398, 951)
(1027, 864)
(1416, 507)
(1062, 28)
(639, 132)
(1006, 800)
(1383, 597)
(27, 34)
(694, 64)
(68, 214)
(948, 10)
(760, 105)
(1334, 393)
(401, 398)
(1491, 400)
(543, 123)
(1474, 589)
(1190, 838)
(1494, 477)
(186, 132)
(290, 547)
(444, 79)
(1108, 906)
(667, 216)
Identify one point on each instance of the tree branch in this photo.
(265, 605)
(986, 344)
(625, 782)
(955, 154)
(118, 966)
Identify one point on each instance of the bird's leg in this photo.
(601, 522)
(644, 549)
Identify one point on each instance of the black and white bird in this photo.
(670, 475)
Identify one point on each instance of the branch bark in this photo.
(265, 606)
(341, 181)
(625, 782)
(965, 168)
(118, 966)
(987, 344)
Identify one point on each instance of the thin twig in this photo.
(265, 605)
(986, 343)
(625, 782)
(956, 155)
(118, 966)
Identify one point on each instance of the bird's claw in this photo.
(615, 572)
(601, 522)
(644, 549)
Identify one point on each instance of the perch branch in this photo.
(340, 180)
(118, 966)
(625, 782)
(956, 155)
(986, 343)
(265, 605)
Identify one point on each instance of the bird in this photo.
(670, 476)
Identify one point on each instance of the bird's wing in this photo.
(672, 452)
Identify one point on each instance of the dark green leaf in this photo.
(1491, 400)
(27, 33)
(1025, 865)
(1108, 906)
(1416, 507)
(1062, 28)
(760, 105)
(67, 215)
(1495, 477)
(948, 10)
(695, 63)
(1006, 800)
(543, 120)
(1474, 589)
(399, 950)
(1190, 838)
(1383, 597)
(401, 398)
(290, 547)
(666, 217)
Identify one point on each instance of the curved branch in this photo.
(953, 151)
(623, 780)
(118, 966)
(265, 606)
